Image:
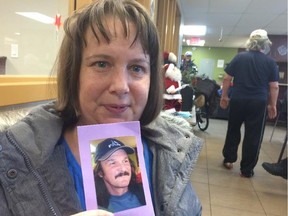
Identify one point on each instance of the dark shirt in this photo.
(188, 70)
(252, 72)
(75, 171)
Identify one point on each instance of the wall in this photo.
(213, 53)
(30, 48)
(37, 42)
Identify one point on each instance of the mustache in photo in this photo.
(122, 174)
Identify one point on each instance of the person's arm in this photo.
(224, 101)
(272, 101)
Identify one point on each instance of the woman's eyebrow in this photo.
(142, 60)
(97, 56)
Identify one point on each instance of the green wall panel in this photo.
(214, 53)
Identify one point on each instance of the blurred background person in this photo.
(255, 91)
(188, 68)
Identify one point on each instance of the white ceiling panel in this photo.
(267, 7)
(238, 18)
(230, 6)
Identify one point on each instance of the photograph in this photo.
(114, 174)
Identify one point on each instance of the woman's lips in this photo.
(116, 108)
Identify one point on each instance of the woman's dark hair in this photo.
(67, 65)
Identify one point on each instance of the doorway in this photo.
(206, 67)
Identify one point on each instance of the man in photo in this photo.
(117, 188)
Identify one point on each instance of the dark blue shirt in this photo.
(75, 171)
(123, 202)
(252, 71)
(148, 157)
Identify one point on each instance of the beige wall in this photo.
(27, 75)
(37, 42)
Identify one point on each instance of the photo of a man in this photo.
(117, 187)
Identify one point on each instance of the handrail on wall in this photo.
(25, 89)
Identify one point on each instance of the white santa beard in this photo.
(173, 73)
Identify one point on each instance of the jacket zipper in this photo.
(35, 174)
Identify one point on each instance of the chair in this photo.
(283, 148)
(282, 111)
(3, 64)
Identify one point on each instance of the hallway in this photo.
(223, 192)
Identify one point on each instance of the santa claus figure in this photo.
(172, 83)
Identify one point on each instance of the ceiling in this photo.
(235, 18)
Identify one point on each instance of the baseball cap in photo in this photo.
(259, 34)
(108, 146)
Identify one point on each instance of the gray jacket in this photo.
(35, 180)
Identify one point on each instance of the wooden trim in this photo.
(168, 24)
(71, 7)
(161, 23)
(145, 3)
(25, 89)
(175, 45)
(76, 5)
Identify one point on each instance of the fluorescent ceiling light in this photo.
(37, 16)
(195, 30)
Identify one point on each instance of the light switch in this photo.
(14, 50)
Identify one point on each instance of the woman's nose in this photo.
(120, 81)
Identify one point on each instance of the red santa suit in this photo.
(172, 79)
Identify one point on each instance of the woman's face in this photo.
(114, 78)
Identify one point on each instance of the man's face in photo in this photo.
(116, 172)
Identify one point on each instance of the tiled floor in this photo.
(223, 192)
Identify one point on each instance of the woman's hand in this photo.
(97, 212)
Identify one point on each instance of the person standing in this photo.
(189, 71)
(188, 68)
(255, 92)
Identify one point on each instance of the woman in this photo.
(108, 70)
